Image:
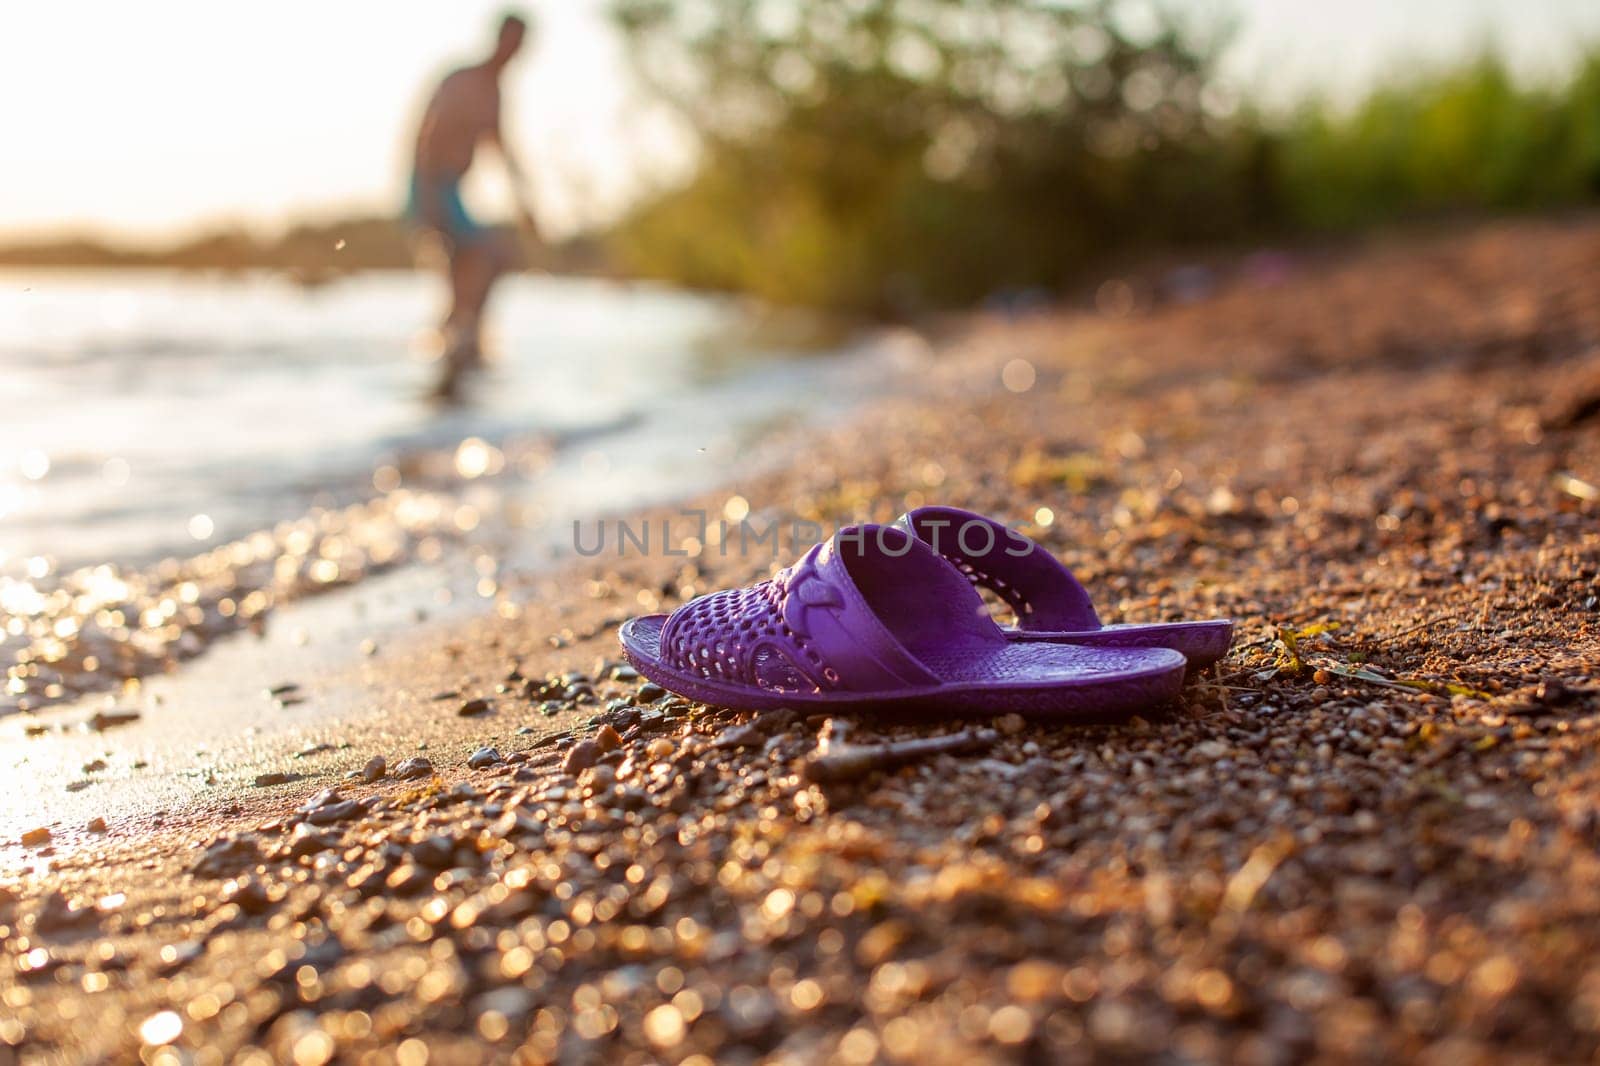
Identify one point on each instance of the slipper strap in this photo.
(1041, 592)
(808, 629)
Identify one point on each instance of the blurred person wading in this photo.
(462, 114)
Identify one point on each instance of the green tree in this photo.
(887, 155)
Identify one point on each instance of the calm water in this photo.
(149, 414)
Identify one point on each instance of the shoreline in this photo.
(409, 485)
(1371, 838)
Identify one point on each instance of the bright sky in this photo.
(157, 118)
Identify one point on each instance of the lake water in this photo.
(148, 414)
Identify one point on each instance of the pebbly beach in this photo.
(1368, 833)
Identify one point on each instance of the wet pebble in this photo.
(484, 757)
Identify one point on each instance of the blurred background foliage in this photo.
(888, 156)
(1450, 140)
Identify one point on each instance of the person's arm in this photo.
(518, 179)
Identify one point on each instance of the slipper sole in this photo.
(1106, 686)
(1200, 642)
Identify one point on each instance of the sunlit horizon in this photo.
(153, 124)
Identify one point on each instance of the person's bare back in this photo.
(464, 111)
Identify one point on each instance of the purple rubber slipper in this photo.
(874, 618)
(1050, 604)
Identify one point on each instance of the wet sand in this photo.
(1370, 832)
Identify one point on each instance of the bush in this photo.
(1469, 139)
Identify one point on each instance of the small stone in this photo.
(649, 692)
(543, 689)
(660, 748)
(319, 799)
(35, 837)
(608, 738)
(619, 718)
(329, 813)
(435, 852)
(59, 912)
(740, 736)
(416, 766)
(273, 778)
(96, 825)
(108, 719)
(583, 755)
(249, 894)
(307, 841)
(474, 707)
(484, 757)
(227, 855)
(1010, 724)
(1553, 692)
(375, 769)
